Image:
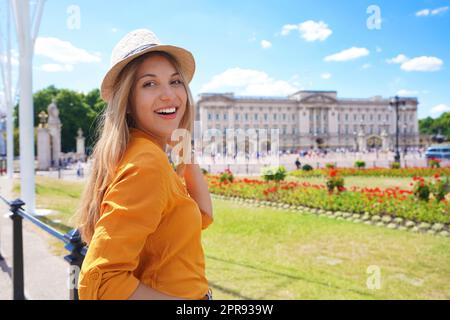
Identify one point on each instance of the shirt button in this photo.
(94, 276)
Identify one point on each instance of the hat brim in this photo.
(184, 58)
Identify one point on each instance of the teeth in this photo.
(167, 110)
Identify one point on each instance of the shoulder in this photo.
(143, 152)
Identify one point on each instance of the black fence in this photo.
(72, 240)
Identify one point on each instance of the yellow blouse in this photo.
(149, 231)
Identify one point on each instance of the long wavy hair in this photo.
(112, 139)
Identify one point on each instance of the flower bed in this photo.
(376, 172)
(393, 202)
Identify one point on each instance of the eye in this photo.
(149, 84)
(177, 82)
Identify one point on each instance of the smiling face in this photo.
(158, 100)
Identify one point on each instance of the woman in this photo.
(142, 224)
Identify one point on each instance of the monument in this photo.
(81, 154)
(49, 138)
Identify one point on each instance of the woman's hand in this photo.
(198, 188)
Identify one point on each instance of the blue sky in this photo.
(263, 47)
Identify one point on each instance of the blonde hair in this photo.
(114, 127)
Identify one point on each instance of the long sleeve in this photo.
(206, 220)
(131, 210)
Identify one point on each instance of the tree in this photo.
(76, 110)
(434, 126)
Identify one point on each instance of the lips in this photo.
(168, 112)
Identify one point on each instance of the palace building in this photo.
(308, 119)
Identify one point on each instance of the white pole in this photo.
(37, 20)
(10, 105)
(26, 127)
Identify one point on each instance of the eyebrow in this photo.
(155, 76)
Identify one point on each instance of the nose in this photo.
(167, 93)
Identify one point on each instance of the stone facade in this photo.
(308, 119)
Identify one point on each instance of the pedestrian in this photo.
(142, 222)
(298, 164)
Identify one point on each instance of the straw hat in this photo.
(135, 44)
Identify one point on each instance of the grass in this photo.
(262, 253)
(382, 182)
(274, 254)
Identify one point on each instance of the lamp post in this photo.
(395, 103)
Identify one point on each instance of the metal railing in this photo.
(72, 242)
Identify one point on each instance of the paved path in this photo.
(45, 275)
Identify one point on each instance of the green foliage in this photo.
(226, 176)
(76, 110)
(421, 190)
(440, 188)
(360, 164)
(434, 126)
(395, 165)
(334, 181)
(374, 172)
(330, 166)
(434, 163)
(276, 174)
(307, 167)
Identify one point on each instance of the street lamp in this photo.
(396, 102)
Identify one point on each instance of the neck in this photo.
(160, 141)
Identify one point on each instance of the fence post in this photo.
(18, 283)
(75, 260)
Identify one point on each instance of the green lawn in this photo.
(384, 182)
(262, 253)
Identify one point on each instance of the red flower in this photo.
(333, 173)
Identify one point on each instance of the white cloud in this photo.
(313, 31)
(433, 12)
(422, 63)
(53, 67)
(438, 109)
(309, 30)
(348, 54)
(248, 82)
(114, 30)
(405, 92)
(378, 49)
(398, 59)
(325, 75)
(63, 51)
(423, 13)
(287, 28)
(366, 66)
(439, 10)
(266, 44)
